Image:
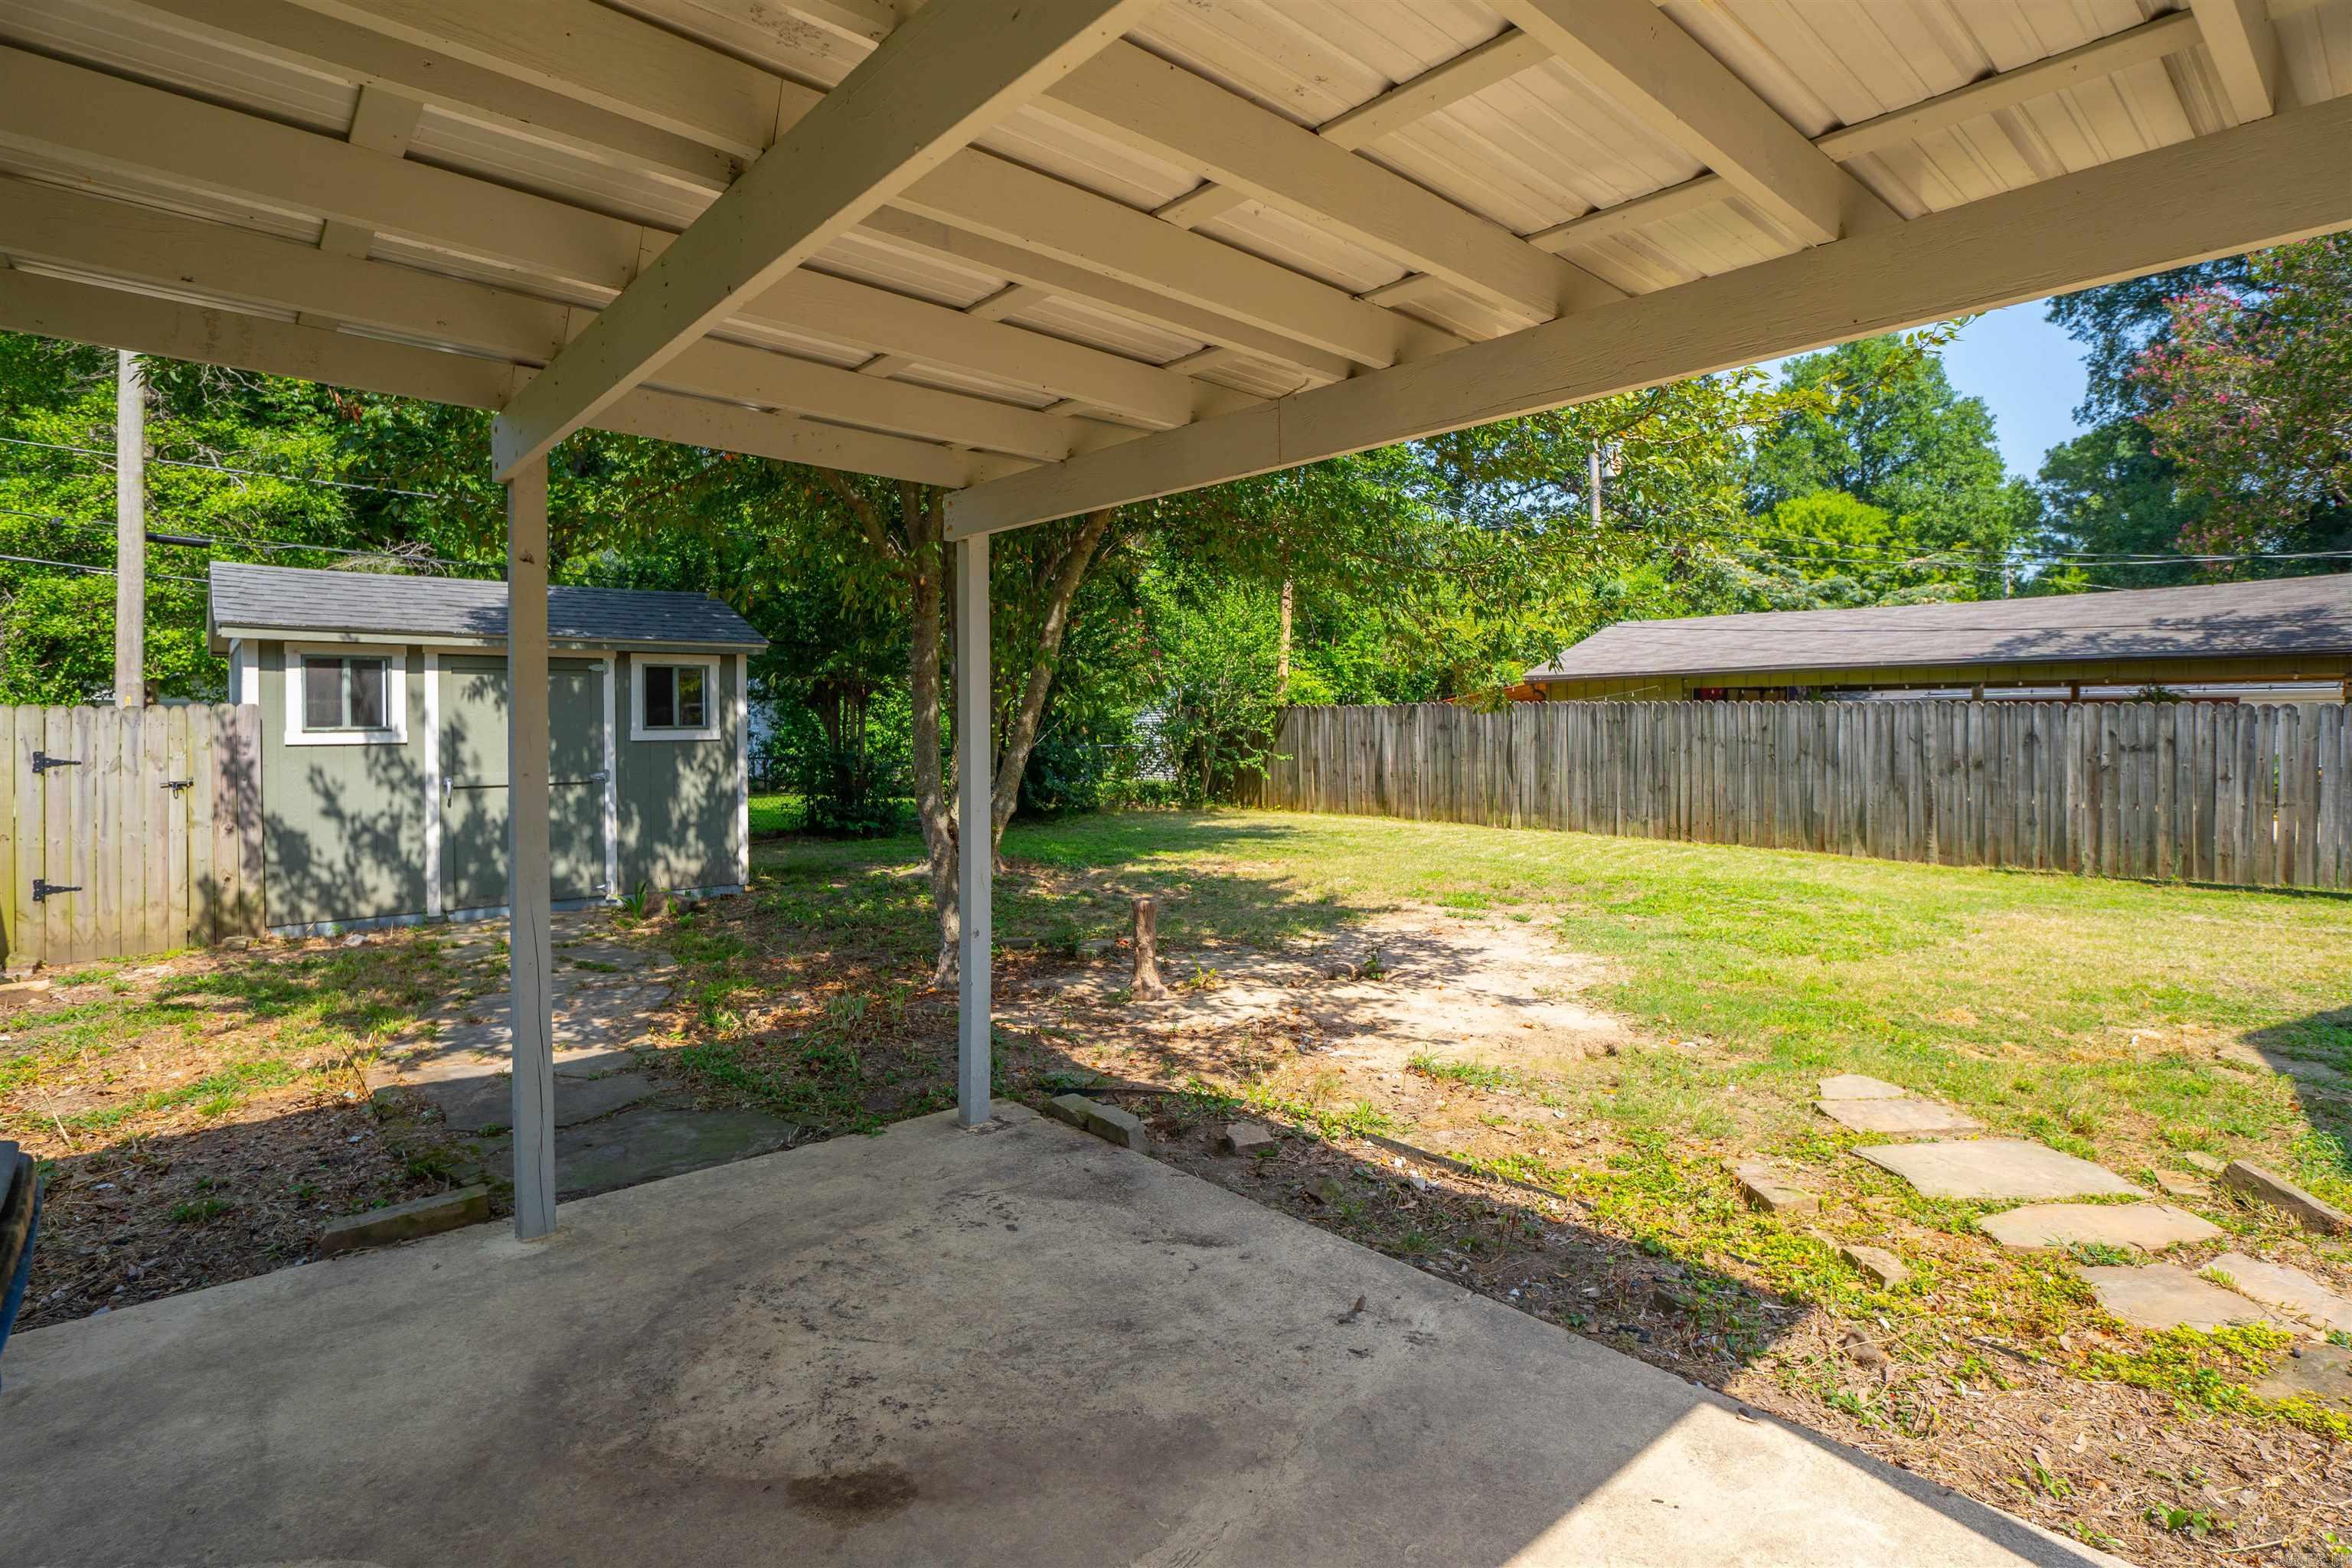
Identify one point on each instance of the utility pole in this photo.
(129, 530)
(1595, 487)
(1282, 648)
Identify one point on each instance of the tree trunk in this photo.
(1021, 734)
(926, 582)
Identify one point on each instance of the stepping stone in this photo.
(1995, 1168)
(2322, 1372)
(1767, 1189)
(2173, 1184)
(2291, 1290)
(2150, 1227)
(1884, 1269)
(1897, 1116)
(2268, 1186)
(646, 1145)
(2166, 1296)
(1853, 1085)
(593, 1064)
(2198, 1159)
(477, 1104)
(405, 1222)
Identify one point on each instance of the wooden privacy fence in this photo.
(2206, 792)
(127, 830)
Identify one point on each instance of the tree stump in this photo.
(1148, 986)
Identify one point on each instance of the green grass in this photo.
(2017, 995)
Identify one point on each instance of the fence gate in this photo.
(127, 831)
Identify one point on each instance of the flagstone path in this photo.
(619, 1121)
(2233, 1289)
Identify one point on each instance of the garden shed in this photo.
(383, 742)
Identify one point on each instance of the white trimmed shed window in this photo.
(676, 699)
(338, 696)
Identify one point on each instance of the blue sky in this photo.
(2029, 373)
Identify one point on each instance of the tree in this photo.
(2250, 395)
(1878, 420)
(2109, 492)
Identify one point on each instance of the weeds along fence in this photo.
(127, 830)
(2202, 791)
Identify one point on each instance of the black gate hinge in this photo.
(43, 762)
(42, 890)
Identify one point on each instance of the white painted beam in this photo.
(912, 104)
(1134, 97)
(698, 85)
(2281, 179)
(89, 119)
(531, 950)
(975, 832)
(2245, 48)
(1440, 87)
(1663, 76)
(2096, 60)
(85, 312)
(281, 32)
(1404, 338)
(1021, 208)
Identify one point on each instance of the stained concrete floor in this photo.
(1018, 1345)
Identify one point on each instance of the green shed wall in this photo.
(343, 833)
(344, 826)
(678, 798)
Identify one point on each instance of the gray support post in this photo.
(529, 954)
(975, 837)
(129, 530)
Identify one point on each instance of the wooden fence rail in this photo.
(2202, 791)
(127, 830)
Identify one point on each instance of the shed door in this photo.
(474, 800)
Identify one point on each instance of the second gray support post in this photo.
(530, 950)
(975, 830)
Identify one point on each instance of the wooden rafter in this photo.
(2264, 184)
(916, 102)
(1664, 77)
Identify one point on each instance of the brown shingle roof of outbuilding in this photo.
(2290, 615)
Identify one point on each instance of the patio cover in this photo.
(1058, 254)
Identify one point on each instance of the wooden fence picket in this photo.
(2205, 792)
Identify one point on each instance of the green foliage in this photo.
(2249, 393)
(1217, 687)
(1878, 420)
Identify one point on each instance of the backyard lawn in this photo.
(2138, 1026)
(1520, 1060)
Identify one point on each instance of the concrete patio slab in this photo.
(1995, 1168)
(1014, 1345)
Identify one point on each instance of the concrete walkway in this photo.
(1013, 1346)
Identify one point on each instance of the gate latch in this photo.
(176, 785)
(42, 890)
(43, 762)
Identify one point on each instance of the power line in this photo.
(242, 473)
(97, 571)
(200, 542)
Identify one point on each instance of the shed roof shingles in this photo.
(299, 600)
(2287, 616)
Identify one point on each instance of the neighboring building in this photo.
(2256, 640)
(383, 742)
